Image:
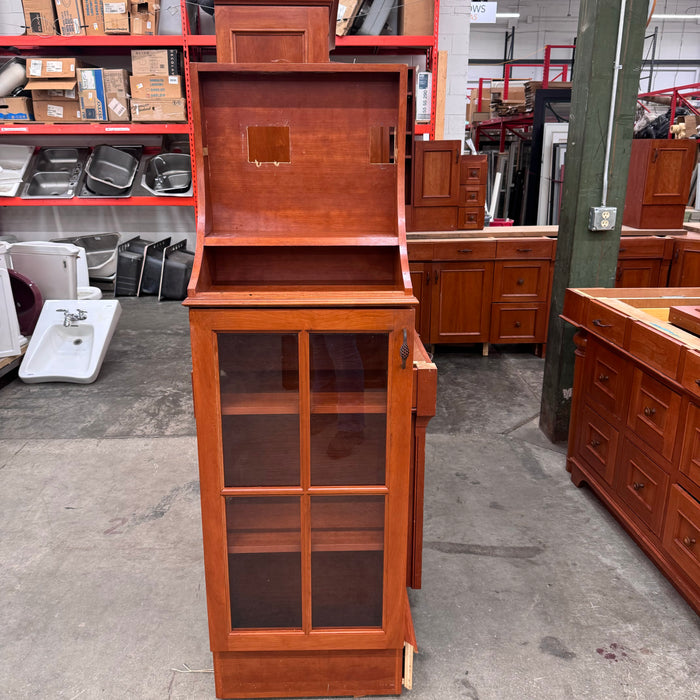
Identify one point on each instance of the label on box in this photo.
(174, 79)
(54, 111)
(54, 67)
(87, 80)
(35, 68)
(114, 8)
(117, 107)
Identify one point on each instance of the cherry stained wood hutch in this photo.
(302, 324)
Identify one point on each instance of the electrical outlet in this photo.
(601, 218)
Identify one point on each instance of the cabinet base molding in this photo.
(581, 475)
(308, 674)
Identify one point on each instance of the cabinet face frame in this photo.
(205, 325)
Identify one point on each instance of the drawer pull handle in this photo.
(697, 381)
(524, 250)
(599, 324)
(637, 485)
(521, 281)
(603, 378)
(595, 444)
(465, 250)
(649, 412)
(517, 324)
(689, 541)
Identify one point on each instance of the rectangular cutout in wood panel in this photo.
(382, 144)
(268, 144)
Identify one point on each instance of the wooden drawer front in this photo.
(515, 249)
(682, 532)
(597, 443)
(606, 322)
(642, 485)
(607, 377)
(642, 247)
(690, 378)
(472, 195)
(434, 219)
(655, 348)
(690, 458)
(470, 218)
(654, 412)
(464, 250)
(420, 250)
(472, 170)
(521, 280)
(518, 323)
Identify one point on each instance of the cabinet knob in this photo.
(637, 485)
(688, 541)
(521, 281)
(599, 324)
(595, 444)
(517, 324)
(649, 412)
(603, 378)
(405, 351)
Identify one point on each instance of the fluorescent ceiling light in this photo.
(505, 15)
(655, 16)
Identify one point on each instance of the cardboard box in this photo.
(70, 17)
(15, 109)
(416, 18)
(51, 68)
(144, 17)
(116, 82)
(39, 16)
(156, 62)
(156, 87)
(91, 91)
(159, 110)
(94, 17)
(347, 11)
(424, 96)
(116, 17)
(56, 109)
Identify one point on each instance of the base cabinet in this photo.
(634, 439)
(304, 432)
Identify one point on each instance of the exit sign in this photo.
(484, 12)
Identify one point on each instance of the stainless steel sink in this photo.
(54, 173)
(110, 171)
(56, 159)
(58, 184)
(168, 173)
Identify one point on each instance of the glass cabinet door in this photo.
(304, 480)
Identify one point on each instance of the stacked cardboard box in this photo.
(157, 86)
(116, 17)
(70, 17)
(93, 11)
(39, 16)
(144, 17)
(53, 84)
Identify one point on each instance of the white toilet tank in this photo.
(51, 266)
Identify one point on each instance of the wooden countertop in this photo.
(535, 231)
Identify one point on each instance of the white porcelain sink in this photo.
(70, 341)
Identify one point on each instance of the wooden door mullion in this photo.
(305, 466)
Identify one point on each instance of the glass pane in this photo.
(348, 408)
(259, 380)
(264, 562)
(347, 561)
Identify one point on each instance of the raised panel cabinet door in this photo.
(685, 265)
(461, 302)
(436, 173)
(420, 280)
(637, 273)
(669, 167)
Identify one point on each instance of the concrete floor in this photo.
(530, 589)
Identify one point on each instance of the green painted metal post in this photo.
(586, 258)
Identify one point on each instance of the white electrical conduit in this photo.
(617, 67)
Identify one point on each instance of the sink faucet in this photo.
(70, 318)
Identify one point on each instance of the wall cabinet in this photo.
(635, 422)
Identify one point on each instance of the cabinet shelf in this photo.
(331, 540)
(35, 41)
(287, 403)
(386, 41)
(256, 239)
(99, 202)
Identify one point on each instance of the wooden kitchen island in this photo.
(635, 419)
